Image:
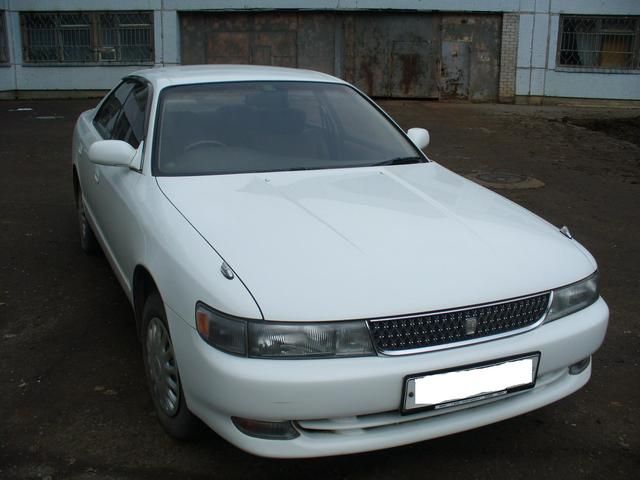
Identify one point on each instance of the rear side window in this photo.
(106, 117)
(129, 125)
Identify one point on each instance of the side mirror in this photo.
(419, 136)
(115, 153)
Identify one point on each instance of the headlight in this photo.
(222, 331)
(330, 339)
(264, 339)
(574, 297)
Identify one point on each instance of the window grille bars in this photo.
(4, 56)
(599, 42)
(87, 37)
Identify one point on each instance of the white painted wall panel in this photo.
(70, 78)
(527, 5)
(12, 31)
(554, 25)
(53, 5)
(596, 7)
(14, 40)
(617, 7)
(525, 39)
(7, 79)
(440, 5)
(257, 4)
(523, 77)
(537, 82)
(592, 85)
(158, 33)
(542, 6)
(170, 37)
(540, 40)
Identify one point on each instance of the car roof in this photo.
(185, 75)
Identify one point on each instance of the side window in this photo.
(129, 126)
(106, 117)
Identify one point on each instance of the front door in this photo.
(114, 190)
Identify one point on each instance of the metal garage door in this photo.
(286, 39)
(397, 55)
(401, 55)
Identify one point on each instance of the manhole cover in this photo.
(508, 178)
(505, 180)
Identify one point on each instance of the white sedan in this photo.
(306, 282)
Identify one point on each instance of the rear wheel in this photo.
(162, 373)
(88, 241)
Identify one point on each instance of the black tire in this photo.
(176, 419)
(88, 241)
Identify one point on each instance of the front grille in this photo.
(443, 328)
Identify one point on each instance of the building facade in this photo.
(480, 50)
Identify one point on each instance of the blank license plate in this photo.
(456, 387)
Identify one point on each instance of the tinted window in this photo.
(130, 124)
(106, 117)
(271, 126)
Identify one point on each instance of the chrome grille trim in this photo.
(542, 302)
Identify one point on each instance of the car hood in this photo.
(373, 242)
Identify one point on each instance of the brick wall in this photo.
(508, 52)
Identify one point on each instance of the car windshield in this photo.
(243, 127)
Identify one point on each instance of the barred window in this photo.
(4, 57)
(599, 42)
(87, 37)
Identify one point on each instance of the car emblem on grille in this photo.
(470, 325)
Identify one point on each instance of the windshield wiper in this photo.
(400, 161)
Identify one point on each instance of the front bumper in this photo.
(334, 401)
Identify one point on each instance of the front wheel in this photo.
(162, 373)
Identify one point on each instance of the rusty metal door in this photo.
(286, 39)
(268, 39)
(413, 69)
(455, 69)
(397, 55)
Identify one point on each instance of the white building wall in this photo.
(425, 5)
(536, 73)
(7, 74)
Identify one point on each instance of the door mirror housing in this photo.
(114, 153)
(419, 136)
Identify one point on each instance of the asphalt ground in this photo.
(73, 398)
